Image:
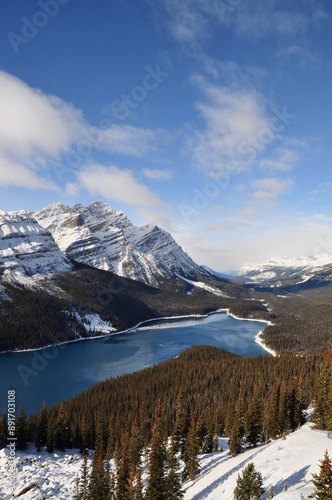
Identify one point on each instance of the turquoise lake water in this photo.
(56, 373)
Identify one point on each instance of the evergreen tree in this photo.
(237, 430)
(181, 424)
(61, 428)
(191, 462)
(323, 480)
(21, 427)
(249, 484)
(41, 427)
(255, 427)
(99, 482)
(3, 431)
(173, 483)
(50, 435)
(322, 412)
(156, 487)
(82, 487)
(271, 493)
(124, 470)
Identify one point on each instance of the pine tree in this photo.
(41, 430)
(61, 428)
(323, 480)
(322, 412)
(124, 470)
(99, 484)
(82, 487)
(249, 484)
(271, 493)
(181, 424)
(191, 462)
(255, 428)
(50, 435)
(236, 430)
(173, 483)
(21, 430)
(156, 488)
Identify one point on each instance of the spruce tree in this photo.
(156, 487)
(323, 480)
(249, 484)
(191, 462)
(255, 426)
(271, 493)
(41, 429)
(21, 430)
(98, 484)
(124, 470)
(82, 487)
(322, 412)
(181, 424)
(173, 483)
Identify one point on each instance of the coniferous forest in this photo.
(173, 411)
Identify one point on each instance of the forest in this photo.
(173, 411)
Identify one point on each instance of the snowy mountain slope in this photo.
(101, 237)
(27, 249)
(299, 272)
(290, 461)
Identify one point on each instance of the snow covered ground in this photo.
(288, 461)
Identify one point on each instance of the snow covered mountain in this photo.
(290, 272)
(101, 237)
(27, 249)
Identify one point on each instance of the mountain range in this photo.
(88, 269)
(288, 274)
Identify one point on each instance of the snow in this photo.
(291, 460)
(205, 286)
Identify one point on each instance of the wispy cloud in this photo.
(116, 184)
(156, 174)
(233, 119)
(193, 20)
(127, 140)
(268, 190)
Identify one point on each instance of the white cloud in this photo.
(117, 184)
(38, 130)
(234, 118)
(32, 122)
(15, 174)
(130, 141)
(268, 190)
(156, 174)
(284, 159)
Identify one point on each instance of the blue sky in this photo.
(212, 119)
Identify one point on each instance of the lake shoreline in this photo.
(141, 324)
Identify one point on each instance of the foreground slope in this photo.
(291, 461)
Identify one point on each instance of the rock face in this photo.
(101, 237)
(27, 249)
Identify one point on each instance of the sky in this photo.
(212, 119)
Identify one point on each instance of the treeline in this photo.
(218, 390)
(300, 324)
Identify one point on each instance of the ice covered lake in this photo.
(56, 373)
